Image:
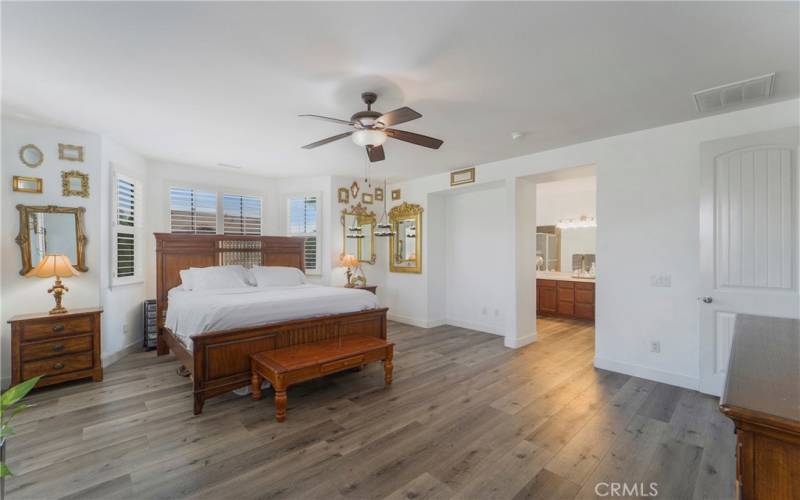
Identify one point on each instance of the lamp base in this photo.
(349, 275)
(58, 290)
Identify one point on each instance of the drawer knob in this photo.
(58, 347)
(58, 327)
(58, 366)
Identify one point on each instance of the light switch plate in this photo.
(663, 280)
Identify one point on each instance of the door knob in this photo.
(706, 299)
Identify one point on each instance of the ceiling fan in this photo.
(372, 129)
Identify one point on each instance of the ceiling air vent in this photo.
(733, 94)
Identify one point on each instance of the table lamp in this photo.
(349, 261)
(59, 266)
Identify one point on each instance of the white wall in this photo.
(29, 295)
(567, 199)
(122, 305)
(473, 229)
(648, 211)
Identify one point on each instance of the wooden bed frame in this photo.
(220, 361)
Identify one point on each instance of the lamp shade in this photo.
(349, 260)
(53, 265)
(368, 137)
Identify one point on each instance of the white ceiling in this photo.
(209, 83)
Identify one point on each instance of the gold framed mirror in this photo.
(31, 156)
(405, 245)
(358, 233)
(51, 230)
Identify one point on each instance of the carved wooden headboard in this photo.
(176, 252)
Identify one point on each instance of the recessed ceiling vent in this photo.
(734, 94)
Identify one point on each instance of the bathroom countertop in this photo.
(550, 275)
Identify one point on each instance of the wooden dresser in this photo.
(61, 347)
(762, 397)
(567, 299)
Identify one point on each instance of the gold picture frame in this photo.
(354, 189)
(343, 195)
(23, 238)
(378, 194)
(31, 156)
(366, 198)
(74, 183)
(464, 176)
(395, 194)
(70, 152)
(22, 184)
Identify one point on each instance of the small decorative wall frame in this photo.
(395, 194)
(70, 152)
(366, 198)
(26, 184)
(465, 176)
(74, 183)
(344, 195)
(31, 156)
(378, 194)
(354, 189)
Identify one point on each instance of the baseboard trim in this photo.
(110, 359)
(471, 325)
(517, 342)
(422, 323)
(648, 373)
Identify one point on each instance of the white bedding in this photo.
(200, 311)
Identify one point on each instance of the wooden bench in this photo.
(291, 365)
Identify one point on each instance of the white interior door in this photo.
(748, 239)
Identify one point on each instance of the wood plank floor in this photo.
(465, 418)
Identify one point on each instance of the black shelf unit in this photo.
(150, 324)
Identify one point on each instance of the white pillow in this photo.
(215, 278)
(186, 279)
(278, 276)
(243, 273)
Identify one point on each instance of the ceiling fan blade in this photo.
(418, 139)
(328, 119)
(375, 153)
(326, 141)
(399, 115)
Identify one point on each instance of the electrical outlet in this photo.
(661, 280)
(655, 346)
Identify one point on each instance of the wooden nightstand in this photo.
(61, 347)
(369, 288)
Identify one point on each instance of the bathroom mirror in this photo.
(406, 242)
(51, 230)
(31, 156)
(358, 233)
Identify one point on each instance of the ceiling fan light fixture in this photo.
(368, 137)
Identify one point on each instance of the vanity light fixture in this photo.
(584, 221)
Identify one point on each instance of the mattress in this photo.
(201, 311)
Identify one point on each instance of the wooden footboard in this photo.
(220, 361)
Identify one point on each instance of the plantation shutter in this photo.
(302, 212)
(241, 214)
(126, 229)
(192, 211)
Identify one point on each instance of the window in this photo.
(192, 211)
(302, 222)
(126, 230)
(241, 214)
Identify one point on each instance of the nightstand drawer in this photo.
(57, 365)
(39, 350)
(52, 327)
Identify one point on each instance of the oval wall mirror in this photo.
(31, 155)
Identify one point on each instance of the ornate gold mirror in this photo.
(31, 156)
(51, 230)
(406, 243)
(358, 233)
